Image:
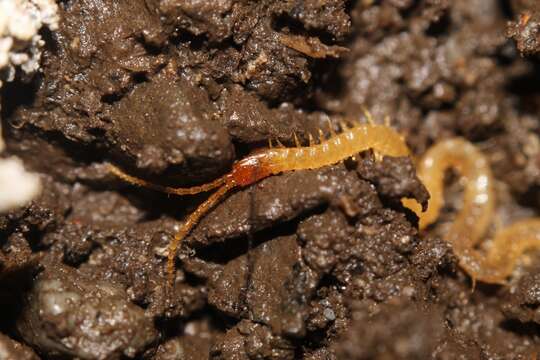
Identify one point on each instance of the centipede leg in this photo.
(330, 128)
(322, 138)
(296, 141)
(368, 116)
(378, 156)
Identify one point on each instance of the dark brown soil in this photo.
(321, 264)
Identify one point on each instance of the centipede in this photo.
(351, 138)
(468, 229)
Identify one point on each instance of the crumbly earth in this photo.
(319, 264)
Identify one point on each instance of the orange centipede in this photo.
(352, 139)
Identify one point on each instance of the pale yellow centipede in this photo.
(382, 139)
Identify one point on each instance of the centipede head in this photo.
(249, 170)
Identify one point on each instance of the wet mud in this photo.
(315, 264)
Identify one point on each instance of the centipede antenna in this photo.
(296, 141)
(330, 128)
(368, 116)
(165, 189)
(270, 145)
(311, 140)
(191, 221)
(279, 144)
(322, 138)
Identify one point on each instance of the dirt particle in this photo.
(63, 299)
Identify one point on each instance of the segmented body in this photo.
(382, 139)
(478, 199)
(471, 223)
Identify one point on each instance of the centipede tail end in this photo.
(495, 265)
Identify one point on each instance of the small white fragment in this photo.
(20, 42)
(17, 186)
(329, 314)
(20, 46)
